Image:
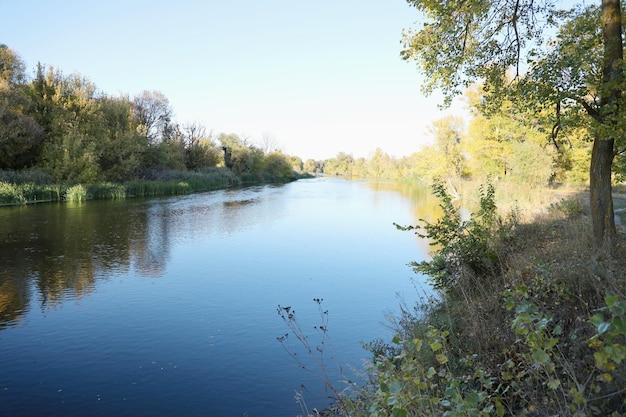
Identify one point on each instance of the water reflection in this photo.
(59, 251)
(170, 302)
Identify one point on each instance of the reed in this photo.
(34, 186)
(107, 191)
(76, 193)
(11, 194)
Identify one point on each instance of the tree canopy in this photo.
(539, 55)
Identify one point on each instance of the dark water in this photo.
(167, 307)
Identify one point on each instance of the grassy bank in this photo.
(27, 187)
(528, 320)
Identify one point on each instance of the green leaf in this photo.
(540, 356)
(474, 398)
(596, 319)
(395, 387)
(601, 358)
(619, 325)
(435, 345)
(398, 412)
(611, 300)
(418, 344)
(603, 327)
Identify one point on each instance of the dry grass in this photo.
(552, 255)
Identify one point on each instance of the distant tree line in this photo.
(64, 127)
(509, 143)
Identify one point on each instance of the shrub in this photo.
(462, 246)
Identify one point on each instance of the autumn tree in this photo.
(463, 41)
(341, 165)
(448, 132)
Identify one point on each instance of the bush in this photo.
(463, 246)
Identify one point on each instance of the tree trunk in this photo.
(601, 198)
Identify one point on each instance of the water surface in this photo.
(167, 306)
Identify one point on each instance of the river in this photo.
(168, 306)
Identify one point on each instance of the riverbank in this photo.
(529, 320)
(33, 187)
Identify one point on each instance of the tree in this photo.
(341, 165)
(11, 68)
(120, 147)
(67, 110)
(448, 132)
(269, 143)
(154, 113)
(463, 41)
(20, 135)
(311, 165)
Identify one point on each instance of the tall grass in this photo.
(76, 193)
(33, 186)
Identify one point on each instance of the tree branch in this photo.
(591, 111)
(557, 126)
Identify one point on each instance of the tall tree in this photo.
(11, 68)
(447, 133)
(154, 112)
(20, 135)
(463, 41)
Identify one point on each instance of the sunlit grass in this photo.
(76, 193)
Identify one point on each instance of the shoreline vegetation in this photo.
(34, 187)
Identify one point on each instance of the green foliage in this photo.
(341, 165)
(531, 164)
(462, 246)
(76, 193)
(20, 135)
(278, 166)
(12, 69)
(507, 48)
(570, 208)
(202, 154)
(313, 166)
(11, 194)
(609, 342)
(407, 384)
(545, 371)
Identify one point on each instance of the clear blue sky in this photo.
(320, 76)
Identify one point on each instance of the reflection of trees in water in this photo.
(59, 251)
(14, 299)
(150, 250)
(54, 252)
(425, 204)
